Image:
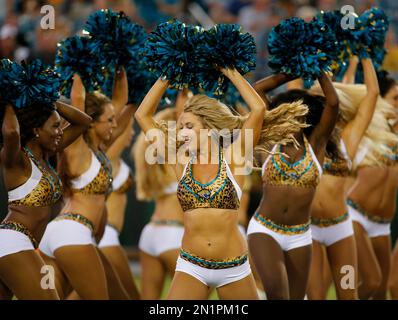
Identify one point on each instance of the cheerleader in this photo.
(116, 206)
(160, 239)
(70, 240)
(331, 225)
(280, 227)
(31, 134)
(213, 252)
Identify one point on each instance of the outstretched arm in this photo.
(147, 108)
(349, 76)
(120, 93)
(328, 120)
(270, 83)
(355, 130)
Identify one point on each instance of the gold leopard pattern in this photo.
(219, 193)
(47, 192)
(339, 167)
(102, 183)
(302, 174)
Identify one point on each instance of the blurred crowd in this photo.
(22, 37)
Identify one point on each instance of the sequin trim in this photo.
(19, 227)
(371, 217)
(76, 217)
(324, 223)
(213, 264)
(280, 228)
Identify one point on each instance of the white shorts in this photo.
(331, 234)
(156, 239)
(110, 237)
(12, 241)
(214, 277)
(373, 229)
(286, 241)
(61, 233)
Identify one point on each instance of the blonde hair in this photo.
(152, 179)
(279, 124)
(378, 136)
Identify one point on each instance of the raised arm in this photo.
(147, 108)
(11, 149)
(120, 91)
(323, 130)
(270, 83)
(255, 103)
(78, 99)
(122, 120)
(355, 130)
(78, 123)
(349, 75)
(182, 97)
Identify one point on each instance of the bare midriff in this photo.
(213, 234)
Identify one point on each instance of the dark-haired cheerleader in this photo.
(69, 242)
(29, 136)
(331, 225)
(279, 233)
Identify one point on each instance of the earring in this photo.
(37, 135)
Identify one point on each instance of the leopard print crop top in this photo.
(123, 180)
(340, 167)
(97, 179)
(304, 173)
(222, 192)
(42, 189)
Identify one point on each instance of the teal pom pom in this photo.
(24, 84)
(117, 36)
(344, 37)
(370, 32)
(170, 53)
(79, 55)
(224, 46)
(302, 49)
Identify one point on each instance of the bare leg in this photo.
(368, 266)
(61, 281)
(5, 293)
(84, 270)
(393, 282)
(272, 271)
(115, 287)
(343, 254)
(382, 248)
(244, 289)
(118, 258)
(316, 286)
(298, 263)
(21, 273)
(152, 276)
(186, 287)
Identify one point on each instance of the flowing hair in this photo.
(152, 179)
(378, 138)
(279, 125)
